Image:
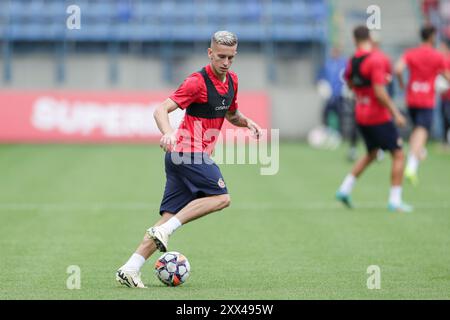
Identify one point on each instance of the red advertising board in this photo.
(97, 116)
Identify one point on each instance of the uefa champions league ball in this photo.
(172, 268)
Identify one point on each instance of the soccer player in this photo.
(375, 37)
(445, 101)
(367, 76)
(194, 186)
(330, 76)
(424, 64)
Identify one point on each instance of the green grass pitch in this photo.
(284, 236)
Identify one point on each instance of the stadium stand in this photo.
(164, 20)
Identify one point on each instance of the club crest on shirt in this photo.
(221, 183)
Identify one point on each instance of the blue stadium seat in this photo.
(56, 10)
(35, 31)
(146, 11)
(4, 12)
(184, 11)
(99, 11)
(17, 10)
(252, 10)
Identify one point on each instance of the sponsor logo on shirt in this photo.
(363, 100)
(418, 86)
(223, 106)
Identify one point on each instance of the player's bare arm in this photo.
(446, 74)
(383, 97)
(161, 116)
(239, 120)
(400, 66)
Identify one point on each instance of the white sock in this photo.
(413, 163)
(171, 225)
(347, 186)
(395, 196)
(135, 262)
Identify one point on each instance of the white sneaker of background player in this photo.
(129, 278)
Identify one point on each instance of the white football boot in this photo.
(160, 237)
(129, 278)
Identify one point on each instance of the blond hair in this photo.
(225, 38)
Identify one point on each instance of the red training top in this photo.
(424, 63)
(193, 90)
(386, 61)
(369, 111)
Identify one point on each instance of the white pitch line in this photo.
(148, 206)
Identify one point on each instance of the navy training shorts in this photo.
(189, 176)
(381, 136)
(421, 117)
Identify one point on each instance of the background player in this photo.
(195, 187)
(366, 74)
(424, 64)
(445, 100)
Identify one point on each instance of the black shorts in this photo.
(189, 176)
(421, 117)
(381, 136)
